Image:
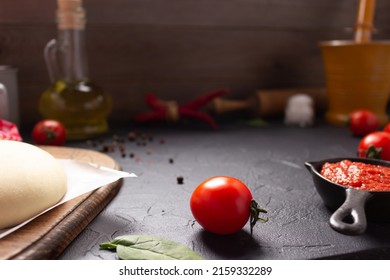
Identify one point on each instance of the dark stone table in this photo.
(269, 160)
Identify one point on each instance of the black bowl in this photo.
(350, 203)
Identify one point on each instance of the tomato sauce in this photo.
(358, 175)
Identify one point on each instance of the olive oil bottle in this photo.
(72, 98)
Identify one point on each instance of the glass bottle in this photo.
(72, 98)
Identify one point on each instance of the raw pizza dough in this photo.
(31, 180)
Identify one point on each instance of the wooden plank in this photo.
(48, 235)
(183, 48)
(306, 14)
(176, 63)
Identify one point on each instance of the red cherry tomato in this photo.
(387, 128)
(222, 205)
(49, 132)
(375, 145)
(362, 122)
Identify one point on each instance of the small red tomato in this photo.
(362, 122)
(49, 132)
(375, 145)
(223, 205)
(387, 128)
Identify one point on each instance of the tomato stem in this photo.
(373, 152)
(50, 134)
(255, 211)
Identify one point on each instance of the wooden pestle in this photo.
(364, 21)
(268, 103)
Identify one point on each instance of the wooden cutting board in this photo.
(48, 235)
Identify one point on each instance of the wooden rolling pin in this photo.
(268, 103)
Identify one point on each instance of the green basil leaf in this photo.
(147, 247)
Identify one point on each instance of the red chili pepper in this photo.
(158, 113)
(185, 113)
(163, 111)
(203, 100)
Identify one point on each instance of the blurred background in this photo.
(180, 49)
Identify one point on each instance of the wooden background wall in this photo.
(182, 48)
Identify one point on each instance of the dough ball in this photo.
(31, 180)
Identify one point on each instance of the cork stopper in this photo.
(70, 14)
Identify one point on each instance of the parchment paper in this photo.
(82, 177)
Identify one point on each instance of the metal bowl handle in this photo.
(353, 206)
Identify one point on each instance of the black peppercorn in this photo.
(180, 180)
(131, 136)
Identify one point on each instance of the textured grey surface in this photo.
(270, 160)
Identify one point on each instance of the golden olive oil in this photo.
(81, 106)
